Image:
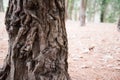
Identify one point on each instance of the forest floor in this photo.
(94, 50)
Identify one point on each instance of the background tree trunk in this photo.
(1, 6)
(118, 26)
(83, 6)
(37, 41)
(71, 5)
(103, 10)
(66, 9)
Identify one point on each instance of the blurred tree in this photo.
(113, 11)
(76, 10)
(37, 41)
(95, 10)
(118, 26)
(71, 7)
(66, 9)
(1, 6)
(103, 10)
(83, 5)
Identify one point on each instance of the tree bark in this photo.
(1, 6)
(37, 41)
(83, 6)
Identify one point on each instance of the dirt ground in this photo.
(94, 50)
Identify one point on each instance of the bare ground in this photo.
(94, 50)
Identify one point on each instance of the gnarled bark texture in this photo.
(37, 41)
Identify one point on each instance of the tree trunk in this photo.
(1, 6)
(118, 26)
(83, 6)
(37, 41)
(103, 10)
(71, 9)
(66, 9)
(75, 14)
(94, 12)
